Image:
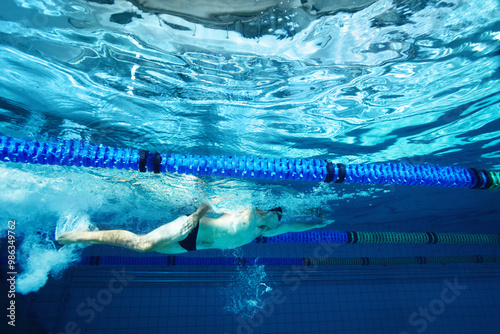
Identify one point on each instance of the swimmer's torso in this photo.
(229, 231)
(233, 230)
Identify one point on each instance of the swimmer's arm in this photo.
(294, 227)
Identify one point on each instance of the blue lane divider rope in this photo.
(77, 153)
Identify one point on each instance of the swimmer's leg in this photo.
(161, 237)
(119, 238)
(175, 231)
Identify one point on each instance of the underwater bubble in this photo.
(248, 291)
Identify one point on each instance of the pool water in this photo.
(353, 82)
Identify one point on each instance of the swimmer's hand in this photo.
(324, 223)
(194, 219)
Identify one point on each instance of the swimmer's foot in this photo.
(70, 226)
(79, 236)
(69, 237)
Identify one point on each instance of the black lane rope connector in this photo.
(342, 173)
(143, 161)
(484, 178)
(331, 172)
(157, 163)
(433, 238)
(480, 177)
(352, 237)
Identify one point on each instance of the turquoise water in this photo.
(367, 82)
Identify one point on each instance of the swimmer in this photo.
(196, 232)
